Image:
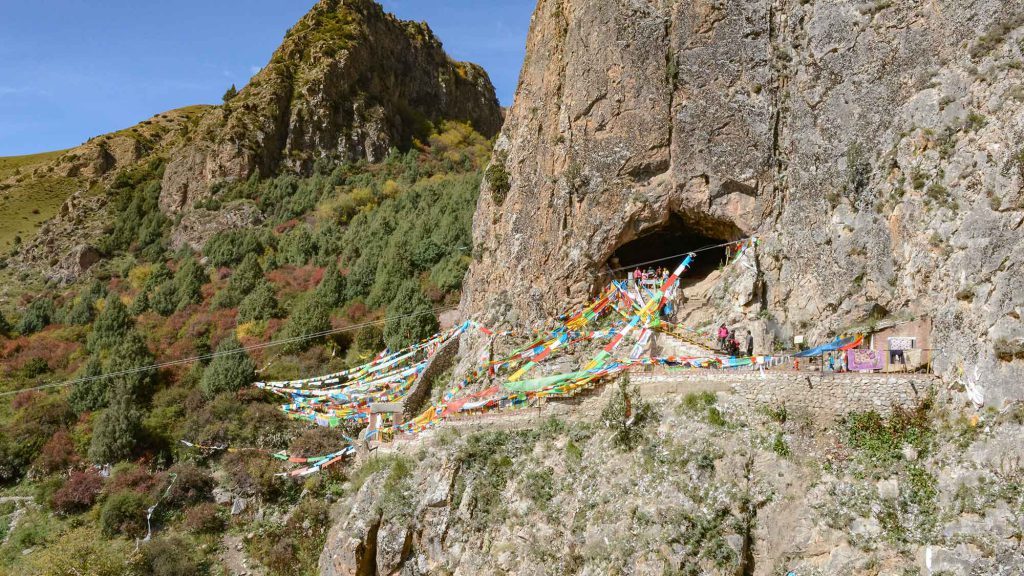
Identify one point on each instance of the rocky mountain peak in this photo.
(348, 82)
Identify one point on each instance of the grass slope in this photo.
(25, 205)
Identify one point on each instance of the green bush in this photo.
(232, 246)
(297, 247)
(627, 414)
(5, 325)
(124, 513)
(38, 316)
(111, 325)
(81, 310)
(309, 316)
(244, 279)
(188, 283)
(230, 370)
(116, 432)
(171, 555)
(260, 304)
(498, 179)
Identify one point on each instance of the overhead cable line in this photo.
(673, 256)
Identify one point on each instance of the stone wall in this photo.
(826, 396)
(442, 361)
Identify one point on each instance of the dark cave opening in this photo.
(667, 245)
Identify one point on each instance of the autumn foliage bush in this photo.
(78, 493)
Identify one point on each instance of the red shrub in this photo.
(79, 493)
(293, 280)
(205, 518)
(58, 453)
(136, 479)
(25, 399)
(191, 484)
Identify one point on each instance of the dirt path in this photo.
(234, 559)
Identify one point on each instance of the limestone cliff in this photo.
(875, 148)
(349, 82)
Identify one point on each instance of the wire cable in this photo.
(217, 354)
(673, 256)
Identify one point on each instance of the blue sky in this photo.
(72, 69)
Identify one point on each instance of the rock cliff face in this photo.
(874, 148)
(349, 82)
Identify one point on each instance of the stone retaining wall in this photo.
(823, 394)
(438, 364)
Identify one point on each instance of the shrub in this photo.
(252, 475)
(310, 316)
(230, 370)
(881, 440)
(5, 325)
(260, 304)
(83, 551)
(191, 484)
(124, 513)
(135, 478)
(111, 325)
(317, 441)
(205, 518)
(188, 283)
(627, 414)
(82, 309)
(230, 247)
(57, 454)
(244, 279)
(38, 315)
(331, 290)
(78, 493)
(37, 417)
(498, 179)
(171, 556)
(116, 432)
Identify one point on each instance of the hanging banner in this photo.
(861, 360)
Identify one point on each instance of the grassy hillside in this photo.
(27, 201)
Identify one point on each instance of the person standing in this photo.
(723, 335)
(750, 343)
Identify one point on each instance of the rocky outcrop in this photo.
(349, 82)
(198, 226)
(722, 488)
(874, 148)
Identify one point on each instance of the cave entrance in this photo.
(666, 246)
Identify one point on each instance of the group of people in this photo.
(650, 276)
(730, 343)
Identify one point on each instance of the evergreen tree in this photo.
(260, 304)
(116, 432)
(230, 93)
(111, 325)
(38, 315)
(231, 370)
(331, 290)
(82, 309)
(128, 356)
(91, 394)
(188, 283)
(5, 326)
(165, 298)
(410, 317)
(310, 316)
(140, 304)
(243, 281)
